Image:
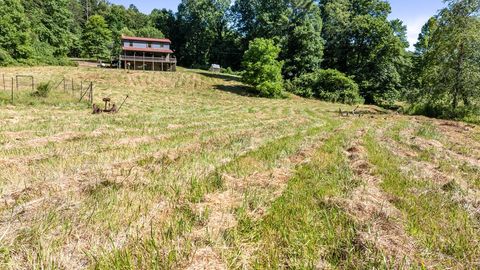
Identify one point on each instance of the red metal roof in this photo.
(163, 40)
(134, 49)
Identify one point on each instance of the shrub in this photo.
(5, 58)
(270, 89)
(329, 85)
(262, 69)
(444, 110)
(43, 89)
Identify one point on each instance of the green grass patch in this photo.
(439, 224)
(428, 131)
(303, 228)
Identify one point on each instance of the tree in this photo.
(118, 18)
(449, 56)
(97, 38)
(14, 30)
(150, 32)
(163, 20)
(262, 69)
(295, 25)
(202, 25)
(303, 51)
(361, 42)
(52, 25)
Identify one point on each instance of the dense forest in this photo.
(337, 50)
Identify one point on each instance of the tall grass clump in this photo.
(43, 89)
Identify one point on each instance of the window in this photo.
(131, 44)
(149, 45)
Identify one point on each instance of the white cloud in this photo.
(414, 27)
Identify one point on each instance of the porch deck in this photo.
(154, 63)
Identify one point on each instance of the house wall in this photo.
(143, 44)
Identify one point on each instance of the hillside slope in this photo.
(196, 173)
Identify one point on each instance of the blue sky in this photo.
(414, 13)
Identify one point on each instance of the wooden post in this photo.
(162, 65)
(134, 60)
(143, 58)
(91, 93)
(12, 90)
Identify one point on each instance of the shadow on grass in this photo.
(241, 90)
(220, 76)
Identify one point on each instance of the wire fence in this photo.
(79, 89)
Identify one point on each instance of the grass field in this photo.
(196, 173)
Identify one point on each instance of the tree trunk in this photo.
(459, 87)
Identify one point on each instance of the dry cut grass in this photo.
(196, 172)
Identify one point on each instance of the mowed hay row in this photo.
(196, 172)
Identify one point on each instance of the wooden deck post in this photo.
(134, 60)
(143, 66)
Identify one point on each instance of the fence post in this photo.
(91, 93)
(12, 90)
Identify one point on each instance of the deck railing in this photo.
(148, 59)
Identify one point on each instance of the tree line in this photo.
(337, 50)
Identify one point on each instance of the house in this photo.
(140, 53)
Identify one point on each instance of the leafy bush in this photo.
(262, 69)
(329, 85)
(444, 110)
(270, 89)
(5, 58)
(43, 89)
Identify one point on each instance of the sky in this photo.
(414, 13)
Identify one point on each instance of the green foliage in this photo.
(5, 58)
(448, 62)
(150, 32)
(262, 69)
(163, 20)
(361, 42)
(96, 38)
(329, 85)
(51, 22)
(202, 31)
(43, 90)
(296, 25)
(303, 52)
(14, 31)
(270, 89)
